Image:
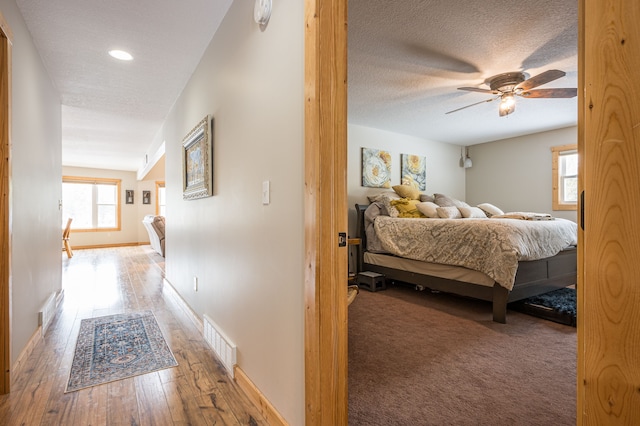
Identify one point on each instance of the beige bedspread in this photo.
(492, 246)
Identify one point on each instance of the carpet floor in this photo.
(118, 346)
(422, 358)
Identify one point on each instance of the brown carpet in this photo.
(422, 358)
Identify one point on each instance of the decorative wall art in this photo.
(414, 171)
(129, 196)
(197, 161)
(146, 197)
(376, 168)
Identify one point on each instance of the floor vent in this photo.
(221, 345)
(47, 312)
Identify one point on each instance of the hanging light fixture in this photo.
(461, 162)
(467, 161)
(507, 104)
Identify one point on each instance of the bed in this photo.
(478, 272)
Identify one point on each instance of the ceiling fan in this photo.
(511, 84)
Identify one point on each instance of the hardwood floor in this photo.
(115, 280)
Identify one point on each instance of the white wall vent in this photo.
(47, 312)
(221, 345)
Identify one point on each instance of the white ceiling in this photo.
(111, 110)
(406, 60)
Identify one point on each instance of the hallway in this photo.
(116, 280)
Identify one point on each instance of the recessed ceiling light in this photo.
(121, 54)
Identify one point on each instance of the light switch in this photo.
(265, 192)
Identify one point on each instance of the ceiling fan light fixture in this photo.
(507, 104)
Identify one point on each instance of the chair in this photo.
(65, 238)
(155, 228)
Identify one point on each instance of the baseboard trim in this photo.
(96, 246)
(242, 380)
(31, 344)
(259, 400)
(182, 304)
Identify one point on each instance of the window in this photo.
(161, 198)
(93, 203)
(565, 177)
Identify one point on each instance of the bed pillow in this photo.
(407, 191)
(472, 212)
(428, 208)
(446, 201)
(426, 198)
(407, 208)
(378, 197)
(490, 209)
(449, 212)
(387, 208)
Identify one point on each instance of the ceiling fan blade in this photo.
(477, 103)
(550, 93)
(540, 79)
(477, 89)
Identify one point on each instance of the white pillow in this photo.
(472, 212)
(450, 212)
(490, 209)
(428, 209)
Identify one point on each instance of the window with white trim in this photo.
(161, 198)
(93, 203)
(565, 177)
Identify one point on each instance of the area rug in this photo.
(558, 306)
(118, 346)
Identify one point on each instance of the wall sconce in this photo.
(146, 197)
(467, 161)
(129, 196)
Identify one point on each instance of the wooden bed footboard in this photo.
(533, 277)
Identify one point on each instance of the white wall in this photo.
(248, 257)
(515, 174)
(36, 266)
(444, 175)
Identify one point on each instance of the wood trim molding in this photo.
(242, 380)
(96, 246)
(258, 399)
(555, 179)
(182, 304)
(35, 339)
(325, 202)
(5, 205)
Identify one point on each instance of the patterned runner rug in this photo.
(118, 346)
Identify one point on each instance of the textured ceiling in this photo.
(406, 60)
(111, 110)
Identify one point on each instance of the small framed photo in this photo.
(197, 161)
(129, 196)
(146, 197)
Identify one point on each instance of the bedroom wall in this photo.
(35, 183)
(132, 230)
(515, 174)
(444, 175)
(248, 257)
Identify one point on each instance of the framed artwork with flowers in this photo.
(376, 168)
(414, 171)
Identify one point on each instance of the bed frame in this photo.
(533, 277)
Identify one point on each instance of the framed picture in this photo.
(414, 171)
(146, 197)
(376, 168)
(129, 196)
(197, 161)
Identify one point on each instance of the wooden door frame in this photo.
(325, 202)
(6, 38)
